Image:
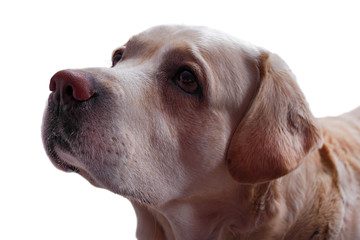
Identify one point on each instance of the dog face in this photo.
(168, 119)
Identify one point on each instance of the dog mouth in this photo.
(59, 151)
(60, 125)
(62, 157)
(73, 142)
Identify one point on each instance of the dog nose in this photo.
(72, 85)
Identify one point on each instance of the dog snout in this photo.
(72, 85)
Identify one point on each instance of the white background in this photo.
(318, 39)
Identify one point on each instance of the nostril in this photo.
(66, 96)
(72, 85)
(69, 91)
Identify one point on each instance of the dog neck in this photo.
(240, 212)
(255, 211)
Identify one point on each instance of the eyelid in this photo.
(117, 51)
(120, 49)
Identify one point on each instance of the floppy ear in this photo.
(278, 130)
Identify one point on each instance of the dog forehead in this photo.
(159, 37)
(168, 33)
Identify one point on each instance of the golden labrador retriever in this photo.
(209, 137)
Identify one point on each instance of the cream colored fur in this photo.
(242, 159)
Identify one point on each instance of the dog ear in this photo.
(278, 130)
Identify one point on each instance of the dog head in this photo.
(182, 111)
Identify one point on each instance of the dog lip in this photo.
(66, 167)
(67, 160)
(61, 164)
(53, 146)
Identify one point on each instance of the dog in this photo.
(209, 137)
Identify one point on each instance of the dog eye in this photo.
(187, 81)
(117, 57)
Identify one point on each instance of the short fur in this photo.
(241, 157)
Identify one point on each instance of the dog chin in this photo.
(65, 161)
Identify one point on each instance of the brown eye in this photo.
(187, 81)
(117, 57)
